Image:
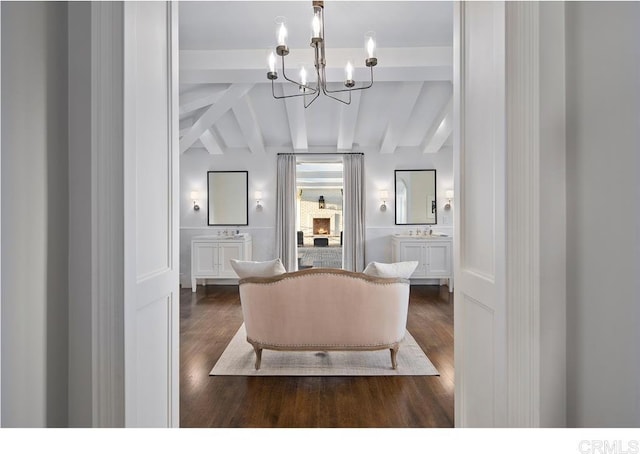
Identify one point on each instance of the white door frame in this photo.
(523, 302)
(114, 292)
(0, 226)
(151, 236)
(517, 386)
(479, 244)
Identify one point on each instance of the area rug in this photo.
(239, 359)
(321, 257)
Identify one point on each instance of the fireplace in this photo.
(321, 226)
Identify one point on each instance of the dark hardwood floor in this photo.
(210, 317)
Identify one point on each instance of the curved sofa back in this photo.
(325, 307)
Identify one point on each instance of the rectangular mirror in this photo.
(228, 197)
(416, 197)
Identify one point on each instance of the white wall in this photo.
(603, 214)
(34, 214)
(379, 175)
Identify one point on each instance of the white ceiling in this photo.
(226, 101)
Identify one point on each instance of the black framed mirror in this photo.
(415, 197)
(228, 197)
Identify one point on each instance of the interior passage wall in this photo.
(34, 214)
(553, 216)
(81, 264)
(603, 253)
(379, 175)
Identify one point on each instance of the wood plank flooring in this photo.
(210, 317)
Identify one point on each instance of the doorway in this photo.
(364, 125)
(319, 216)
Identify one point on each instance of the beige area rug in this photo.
(239, 359)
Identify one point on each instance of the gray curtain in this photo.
(286, 244)
(353, 239)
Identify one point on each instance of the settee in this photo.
(322, 309)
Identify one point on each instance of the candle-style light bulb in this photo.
(371, 47)
(315, 25)
(349, 71)
(272, 62)
(282, 34)
(303, 76)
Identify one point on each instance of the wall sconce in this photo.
(449, 196)
(321, 204)
(258, 197)
(383, 196)
(194, 196)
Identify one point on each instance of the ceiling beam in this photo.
(297, 121)
(246, 116)
(213, 114)
(440, 130)
(190, 102)
(399, 113)
(348, 122)
(247, 65)
(211, 143)
(185, 126)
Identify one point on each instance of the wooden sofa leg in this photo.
(394, 357)
(258, 351)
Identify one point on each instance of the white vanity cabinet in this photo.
(433, 254)
(211, 255)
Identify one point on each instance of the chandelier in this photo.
(307, 91)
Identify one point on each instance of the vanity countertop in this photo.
(241, 236)
(418, 237)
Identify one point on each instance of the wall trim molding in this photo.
(245, 228)
(523, 213)
(411, 227)
(107, 56)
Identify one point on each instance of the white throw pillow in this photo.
(258, 269)
(399, 269)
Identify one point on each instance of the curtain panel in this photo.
(286, 243)
(354, 227)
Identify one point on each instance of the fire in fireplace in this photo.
(321, 226)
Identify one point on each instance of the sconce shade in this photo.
(449, 196)
(194, 195)
(258, 195)
(384, 195)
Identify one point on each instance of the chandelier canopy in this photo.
(311, 92)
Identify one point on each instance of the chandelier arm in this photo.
(327, 93)
(356, 88)
(295, 82)
(336, 98)
(312, 99)
(285, 96)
